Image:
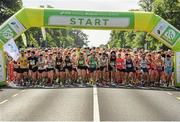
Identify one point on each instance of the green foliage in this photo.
(56, 38)
(8, 8)
(169, 10)
(80, 38)
(146, 5)
(3, 84)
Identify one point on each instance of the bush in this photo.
(3, 84)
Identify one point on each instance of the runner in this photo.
(120, 67)
(137, 76)
(144, 70)
(94, 64)
(168, 64)
(159, 70)
(50, 70)
(92, 67)
(103, 63)
(82, 66)
(41, 70)
(97, 74)
(23, 67)
(33, 68)
(17, 72)
(59, 65)
(74, 67)
(112, 67)
(68, 68)
(129, 70)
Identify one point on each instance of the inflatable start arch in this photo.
(50, 17)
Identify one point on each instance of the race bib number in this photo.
(81, 62)
(50, 66)
(58, 63)
(32, 62)
(41, 67)
(112, 63)
(68, 64)
(129, 65)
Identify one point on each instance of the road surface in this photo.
(89, 104)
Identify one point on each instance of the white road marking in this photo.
(96, 116)
(23, 90)
(15, 95)
(3, 102)
(169, 93)
(178, 98)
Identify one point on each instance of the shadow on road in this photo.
(109, 87)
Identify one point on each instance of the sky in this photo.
(95, 37)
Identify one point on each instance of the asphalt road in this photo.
(81, 104)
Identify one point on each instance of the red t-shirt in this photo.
(120, 63)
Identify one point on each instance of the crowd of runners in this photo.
(90, 66)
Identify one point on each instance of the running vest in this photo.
(113, 61)
(68, 62)
(92, 62)
(168, 63)
(103, 61)
(81, 62)
(41, 63)
(32, 62)
(143, 63)
(59, 62)
(129, 64)
(23, 62)
(50, 64)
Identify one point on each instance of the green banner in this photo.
(170, 35)
(11, 29)
(7, 33)
(166, 32)
(88, 19)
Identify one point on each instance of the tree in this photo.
(80, 38)
(57, 37)
(146, 5)
(8, 8)
(168, 10)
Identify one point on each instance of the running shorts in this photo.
(91, 69)
(34, 69)
(82, 67)
(168, 70)
(144, 70)
(49, 69)
(69, 68)
(102, 68)
(128, 70)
